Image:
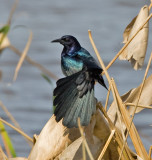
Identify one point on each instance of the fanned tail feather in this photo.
(74, 97)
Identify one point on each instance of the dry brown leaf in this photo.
(100, 135)
(74, 151)
(145, 99)
(136, 50)
(57, 142)
(71, 150)
(53, 139)
(5, 43)
(131, 97)
(102, 132)
(101, 128)
(126, 121)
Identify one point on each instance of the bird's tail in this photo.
(101, 81)
(74, 97)
(98, 77)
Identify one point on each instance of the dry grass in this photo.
(140, 149)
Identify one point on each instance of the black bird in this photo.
(74, 94)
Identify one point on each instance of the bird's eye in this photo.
(66, 39)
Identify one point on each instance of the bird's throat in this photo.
(70, 50)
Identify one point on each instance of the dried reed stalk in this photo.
(2, 154)
(107, 99)
(141, 88)
(12, 119)
(150, 151)
(118, 137)
(139, 147)
(140, 106)
(104, 69)
(84, 140)
(150, 5)
(18, 130)
(30, 61)
(9, 114)
(23, 56)
(12, 12)
(106, 73)
(106, 145)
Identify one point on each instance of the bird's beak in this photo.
(56, 40)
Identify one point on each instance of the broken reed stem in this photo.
(140, 91)
(140, 106)
(30, 61)
(107, 99)
(150, 151)
(18, 130)
(106, 145)
(20, 62)
(123, 48)
(84, 140)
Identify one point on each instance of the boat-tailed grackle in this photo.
(74, 94)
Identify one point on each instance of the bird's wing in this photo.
(90, 63)
(74, 97)
(88, 60)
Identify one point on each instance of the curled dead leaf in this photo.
(145, 99)
(131, 97)
(136, 50)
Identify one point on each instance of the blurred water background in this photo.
(29, 99)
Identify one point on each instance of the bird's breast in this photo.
(70, 65)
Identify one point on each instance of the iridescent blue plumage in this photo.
(70, 65)
(74, 94)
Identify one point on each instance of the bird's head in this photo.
(68, 42)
